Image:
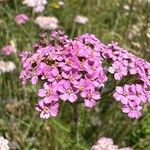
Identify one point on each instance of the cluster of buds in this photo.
(72, 70)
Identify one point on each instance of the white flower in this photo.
(44, 22)
(81, 19)
(34, 3)
(4, 144)
(61, 3)
(6, 66)
(38, 5)
(126, 7)
(105, 143)
(39, 8)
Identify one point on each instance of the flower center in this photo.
(46, 109)
(69, 91)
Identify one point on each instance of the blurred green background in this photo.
(124, 21)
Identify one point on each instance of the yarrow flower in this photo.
(81, 19)
(47, 109)
(132, 97)
(69, 68)
(21, 19)
(105, 143)
(8, 50)
(72, 70)
(6, 66)
(4, 143)
(126, 64)
(38, 5)
(50, 23)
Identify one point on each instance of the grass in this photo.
(109, 21)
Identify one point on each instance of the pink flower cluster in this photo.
(131, 97)
(72, 70)
(105, 143)
(8, 50)
(21, 19)
(125, 64)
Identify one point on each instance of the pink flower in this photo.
(133, 112)
(21, 19)
(121, 94)
(48, 93)
(71, 75)
(90, 97)
(67, 91)
(83, 84)
(72, 69)
(119, 69)
(131, 97)
(7, 50)
(47, 110)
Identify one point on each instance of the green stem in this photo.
(129, 17)
(75, 120)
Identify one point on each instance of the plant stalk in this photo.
(75, 122)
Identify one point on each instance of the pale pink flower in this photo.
(81, 19)
(38, 5)
(4, 143)
(21, 19)
(50, 23)
(105, 143)
(8, 50)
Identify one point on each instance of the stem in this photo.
(75, 120)
(129, 17)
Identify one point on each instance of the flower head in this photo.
(6, 66)
(67, 91)
(8, 50)
(50, 23)
(105, 143)
(81, 19)
(4, 143)
(47, 109)
(38, 5)
(131, 97)
(21, 18)
(48, 93)
(73, 70)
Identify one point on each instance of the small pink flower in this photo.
(47, 110)
(68, 92)
(7, 50)
(90, 97)
(48, 93)
(21, 19)
(133, 112)
(131, 97)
